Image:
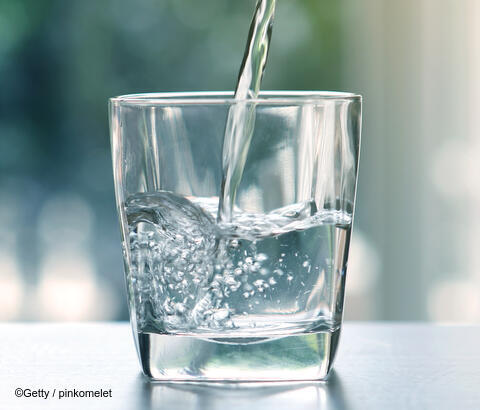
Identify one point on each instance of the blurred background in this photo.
(414, 254)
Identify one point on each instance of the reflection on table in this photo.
(278, 396)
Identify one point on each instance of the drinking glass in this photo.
(258, 296)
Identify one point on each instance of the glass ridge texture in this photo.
(258, 297)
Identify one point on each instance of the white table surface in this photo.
(383, 365)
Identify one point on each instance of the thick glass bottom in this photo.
(300, 357)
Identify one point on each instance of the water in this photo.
(263, 275)
(220, 294)
(241, 116)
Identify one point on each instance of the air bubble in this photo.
(179, 308)
(238, 271)
(278, 272)
(261, 257)
(247, 287)
(253, 268)
(259, 284)
(221, 314)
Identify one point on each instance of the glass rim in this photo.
(227, 97)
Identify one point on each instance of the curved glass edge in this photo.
(227, 97)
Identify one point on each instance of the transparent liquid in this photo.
(220, 294)
(241, 116)
(260, 276)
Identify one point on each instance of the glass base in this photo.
(301, 357)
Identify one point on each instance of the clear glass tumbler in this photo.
(257, 297)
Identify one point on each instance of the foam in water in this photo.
(262, 274)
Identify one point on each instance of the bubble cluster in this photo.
(172, 248)
(179, 270)
(188, 274)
